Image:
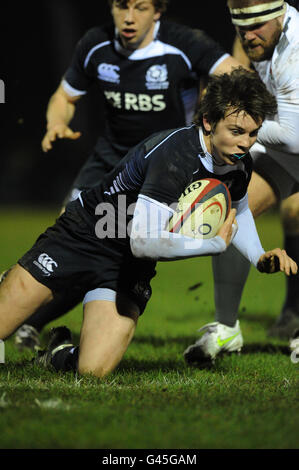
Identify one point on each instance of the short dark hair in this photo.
(241, 90)
(160, 5)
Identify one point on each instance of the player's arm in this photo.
(248, 243)
(150, 239)
(282, 134)
(60, 111)
(239, 53)
(227, 65)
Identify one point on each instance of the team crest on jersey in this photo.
(108, 73)
(156, 77)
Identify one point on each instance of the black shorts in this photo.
(102, 160)
(284, 182)
(69, 257)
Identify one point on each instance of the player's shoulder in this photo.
(286, 56)
(97, 35)
(176, 147)
(291, 24)
(173, 136)
(179, 34)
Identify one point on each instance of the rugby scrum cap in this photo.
(246, 16)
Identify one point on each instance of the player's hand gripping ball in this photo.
(202, 209)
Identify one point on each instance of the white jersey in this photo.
(281, 77)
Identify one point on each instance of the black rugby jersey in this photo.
(142, 89)
(161, 167)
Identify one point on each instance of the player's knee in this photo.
(290, 216)
(97, 370)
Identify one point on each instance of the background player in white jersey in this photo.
(288, 320)
(116, 270)
(268, 32)
(143, 67)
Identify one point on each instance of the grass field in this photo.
(154, 400)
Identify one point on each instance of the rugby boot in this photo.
(27, 337)
(217, 338)
(294, 342)
(60, 338)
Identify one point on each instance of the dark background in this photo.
(37, 42)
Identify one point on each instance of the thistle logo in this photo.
(2, 92)
(156, 77)
(46, 264)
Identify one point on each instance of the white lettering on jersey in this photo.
(143, 102)
(131, 101)
(158, 102)
(139, 102)
(114, 98)
(108, 73)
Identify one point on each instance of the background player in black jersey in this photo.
(143, 68)
(116, 270)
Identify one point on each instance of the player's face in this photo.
(259, 40)
(135, 22)
(235, 134)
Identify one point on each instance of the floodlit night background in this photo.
(36, 48)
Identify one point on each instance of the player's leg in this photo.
(20, 296)
(230, 273)
(288, 320)
(106, 332)
(261, 197)
(28, 335)
(100, 162)
(109, 323)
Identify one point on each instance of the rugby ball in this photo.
(201, 209)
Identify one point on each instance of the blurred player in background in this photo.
(115, 265)
(146, 70)
(268, 33)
